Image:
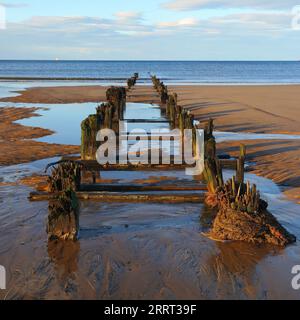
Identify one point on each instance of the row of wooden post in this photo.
(107, 116)
(181, 118)
(237, 193)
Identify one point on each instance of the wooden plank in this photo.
(93, 165)
(126, 197)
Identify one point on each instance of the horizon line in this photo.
(147, 60)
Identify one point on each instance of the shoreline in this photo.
(146, 81)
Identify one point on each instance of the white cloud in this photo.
(184, 5)
(129, 15)
(186, 22)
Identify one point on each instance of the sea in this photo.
(172, 72)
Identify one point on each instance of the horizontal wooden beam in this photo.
(146, 121)
(93, 165)
(126, 197)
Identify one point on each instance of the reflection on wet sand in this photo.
(64, 254)
(234, 267)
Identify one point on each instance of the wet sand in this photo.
(257, 109)
(137, 251)
(78, 94)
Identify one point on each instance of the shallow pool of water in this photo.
(65, 119)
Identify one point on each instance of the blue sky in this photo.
(154, 30)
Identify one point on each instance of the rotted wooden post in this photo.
(172, 112)
(132, 81)
(181, 122)
(210, 141)
(63, 217)
(240, 173)
(164, 95)
(209, 128)
(210, 175)
(116, 96)
(89, 129)
(171, 104)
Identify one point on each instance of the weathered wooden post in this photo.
(66, 176)
(172, 113)
(89, 129)
(63, 217)
(164, 94)
(116, 96)
(171, 103)
(240, 173)
(132, 81)
(181, 121)
(242, 214)
(210, 141)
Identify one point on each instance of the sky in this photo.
(150, 30)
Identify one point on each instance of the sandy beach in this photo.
(257, 109)
(122, 242)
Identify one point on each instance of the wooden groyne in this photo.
(242, 214)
